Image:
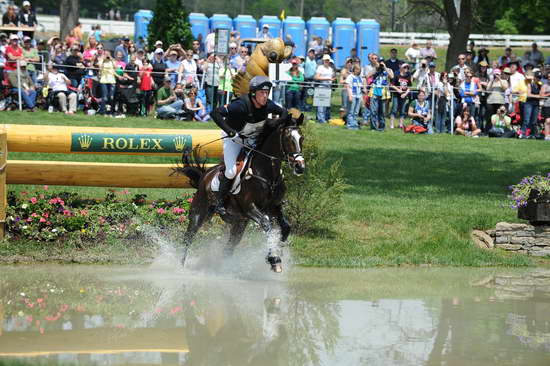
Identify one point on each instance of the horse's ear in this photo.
(296, 115)
(300, 120)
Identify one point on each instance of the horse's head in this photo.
(291, 141)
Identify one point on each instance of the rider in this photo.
(243, 121)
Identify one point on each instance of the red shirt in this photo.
(146, 79)
(14, 51)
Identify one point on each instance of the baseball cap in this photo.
(232, 45)
(431, 64)
(167, 79)
(265, 26)
(327, 57)
(13, 36)
(26, 38)
(310, 50)
(507, 70)
(125, 38)
(158, 43)
(26, 3)
(497, 71)
(159, 50)
(22, 63)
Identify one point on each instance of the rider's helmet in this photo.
(259, 83)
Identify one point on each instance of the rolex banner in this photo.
(142, 143)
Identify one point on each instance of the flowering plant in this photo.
(521, 192)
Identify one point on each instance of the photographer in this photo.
(419, 111)
(172, 104)
(379, 92)
(107, 81)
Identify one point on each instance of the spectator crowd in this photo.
(503, 96)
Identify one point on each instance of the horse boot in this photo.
(219, 196)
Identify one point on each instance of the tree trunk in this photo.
(242, 6)
(459, 28)
(69, 11)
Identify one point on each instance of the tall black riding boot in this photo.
(219, 196)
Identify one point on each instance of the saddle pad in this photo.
(236, 187)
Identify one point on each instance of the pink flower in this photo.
(46, 188)
(29, 219)
(158, 310)
(182, 218)
(178, 210)
(46, 215)
(30, 305)
(63, 308)
(34, 214)
(41, 196)
(48, 223)
(42, 219)
(176, 309)
(67, 213)
(33, 200)
(161, 210)
(39, 300)
(84, 212)
(190, 200)
(29, 318)
(41, 330)
(80, 308)
(101, 220)
(125, 192)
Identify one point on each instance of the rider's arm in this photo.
(219, 116)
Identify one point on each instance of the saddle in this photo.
(243, 161)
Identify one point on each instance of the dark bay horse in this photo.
(262, 188)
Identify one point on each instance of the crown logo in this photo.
(85, 141)
(179, 143)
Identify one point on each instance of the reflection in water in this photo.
(117, 315)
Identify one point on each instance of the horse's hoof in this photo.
(277, 268)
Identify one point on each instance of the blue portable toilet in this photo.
(318, 26)
(343, 39)
(222, 21)
(294, 28)
(368, 39)
(246, 25)
(141, 20)
(274, 25)
(199, 25)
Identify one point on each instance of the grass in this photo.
(411, 199)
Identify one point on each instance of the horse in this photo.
(262, 190)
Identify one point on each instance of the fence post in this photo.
(3, 187)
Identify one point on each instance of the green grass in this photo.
(411, 199)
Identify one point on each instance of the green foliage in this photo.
(170, 24)
(506, 24)
(315, 198)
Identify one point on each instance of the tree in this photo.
(68, 18)
(459, 23)
(170, 24)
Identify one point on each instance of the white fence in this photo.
(49, 23)
(487, 40)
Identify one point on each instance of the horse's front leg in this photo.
(283, 223)
(273, 258)
(198, 215)
(235, 235)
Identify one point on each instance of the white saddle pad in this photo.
(236, 187)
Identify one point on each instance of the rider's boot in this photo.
(219, 196)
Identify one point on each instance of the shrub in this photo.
(314, 200)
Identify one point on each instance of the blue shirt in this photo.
(121, 48)
(466, 87)
(310, 67)
(173, 65)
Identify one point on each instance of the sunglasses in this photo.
(174, 54)
(461, 58)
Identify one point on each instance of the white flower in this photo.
(22, 294)
(24, 227)
(54, 230)
(20, 313)
(24, 206)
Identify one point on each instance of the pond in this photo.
(161, 315)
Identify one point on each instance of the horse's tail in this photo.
(193, 166)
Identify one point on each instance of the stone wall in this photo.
(522, 238)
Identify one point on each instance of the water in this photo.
(159, 315)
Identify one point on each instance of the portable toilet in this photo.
(318, 26)
(343, 39)
(274, 25)
(199, 25)
(368, 39)
(294, 29)
(141, 20)
(246, 25)
(221, 21)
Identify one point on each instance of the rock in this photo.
(542, 242)
(522, 240)
(525, 233)
(540, 253)
(482, 239)
(508, 246)
(502, 240)
(505, 226)
(540, 274)
(491, 233)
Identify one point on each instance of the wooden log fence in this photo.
(96, 140)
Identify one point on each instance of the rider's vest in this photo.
(251, 129)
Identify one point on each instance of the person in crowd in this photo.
(444, 93)
(264, 33)
(413, 55)
(545, 112)
(225, 88)
(506, 58)
(96, 33)
(107, 81)
(164, 93)
(187, 72)
(195, 106)
(501, 124)
(77, 31)
(59, 57)
(393, 62)
(471, 48)
(91, 49)
(233, 55)
(198, 54)
(354, 84)
(10, 19)
(461, 66)
(58, 83)
(123, 48)
(466, 124)
(27, 18)
(428, 51)
(13, 53)
(516, 77)
(30, 55)
(419, 112)
(71, 39)
(483, 55)
(379, 93)
(534, 56)
(430, 81)
(172, 106)
(119, 60)
(482, 80)
(468, 91)
(172, 66)
(400, 88)
(211, 70)
(310, 69)
(242, 59)
(74, 66)
(294, 87)
(496, 89)
(25, 84)
(344, 73)
(159, 67)
(531, 105)
(146, 85)
(324, 76)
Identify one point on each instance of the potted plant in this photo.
(531, 197)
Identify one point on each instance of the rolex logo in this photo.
(85, 141)
(179, 143)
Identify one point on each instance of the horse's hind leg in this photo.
(197, 217)
(235, 235)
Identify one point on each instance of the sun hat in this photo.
(159, 50)
(483, 63)
(14, 36)
(327, 57)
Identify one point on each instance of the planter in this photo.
(537, 210)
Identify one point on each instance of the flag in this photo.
(282, 16)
